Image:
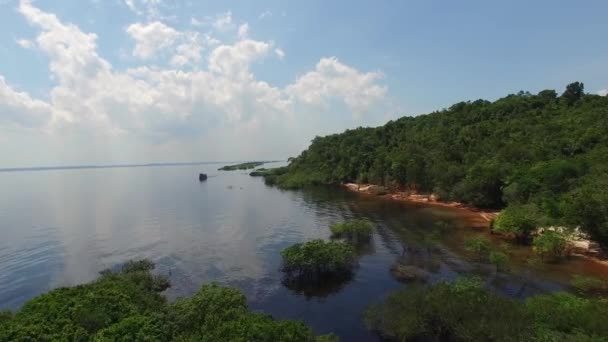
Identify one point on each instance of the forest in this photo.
(542, 157)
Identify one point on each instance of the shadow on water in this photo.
(318, 287)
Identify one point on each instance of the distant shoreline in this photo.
(110, 166)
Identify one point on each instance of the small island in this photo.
(243, 166)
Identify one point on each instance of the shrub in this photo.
(518, 221)
(550, 244)
(125, 304)
(499, 259)
(479, 246)
(589, 285)
(465, 311)
(459, 311)
(353, 231)
(317, 258)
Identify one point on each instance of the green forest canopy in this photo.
(543, 153)
(126, 305)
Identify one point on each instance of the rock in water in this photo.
(202, 177)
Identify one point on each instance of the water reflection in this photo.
(63, 227)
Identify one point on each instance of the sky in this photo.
(138, 81)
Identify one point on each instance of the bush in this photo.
(499, 259)
(478, 246)
(589, 285)
(550, 244)
(460, 311)
(353, 231)
(125, 304)
(518, 221)
(317, 258)
(465, 311)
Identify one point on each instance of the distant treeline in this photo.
(242, 166)
(539, 155)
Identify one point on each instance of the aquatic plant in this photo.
(479, 246)
(355, 231)
(317, 259)
(589, 286)
(499, 259)
(466, 311)
(126, 305)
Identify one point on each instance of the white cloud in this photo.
(603, 92)
(19, 108)
(150, 8)
(152, 37)
(265, 14)
(195, 22)
(223, 22)
(280, 53)
(188, 52)
(332, 79)
(243, 31)
(25, 43)
(220, 101)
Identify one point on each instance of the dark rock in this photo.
(202, 177)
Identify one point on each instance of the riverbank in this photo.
(480, 218)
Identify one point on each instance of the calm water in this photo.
(61, 227)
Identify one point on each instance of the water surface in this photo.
(61, 227)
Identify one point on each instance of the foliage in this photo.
(354, 231)
(462, 311)
(540, 150)
(550, 244)
(242, 166)
(585, 285)
(478, 246)
(126, 305)
(317, 258)
(518, 220)
(465, 311)
(499, 259)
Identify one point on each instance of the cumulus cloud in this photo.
(150, 38)
(603, 92)
(331, 79)
(18, 108)
(280, 53)
(221, 100)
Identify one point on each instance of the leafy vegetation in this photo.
(355, 231)
(318, 259)
(589, 286)
(465, 311)
(126, 305)
(478, 246)
(542, 156)
(499, 259)
(550, 244)
(242, 166)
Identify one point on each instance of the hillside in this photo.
(540, 155)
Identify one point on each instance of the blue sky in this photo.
(157, 80)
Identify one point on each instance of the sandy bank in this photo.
(484, 216)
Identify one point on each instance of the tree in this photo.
(518, 221)
(574, 92)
